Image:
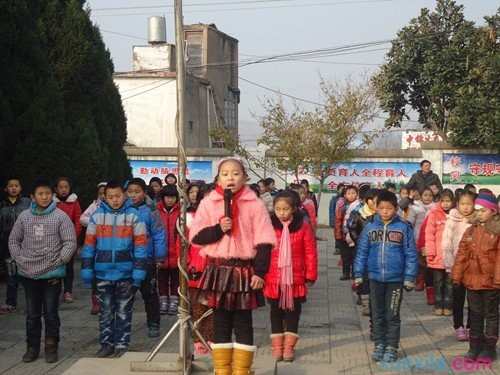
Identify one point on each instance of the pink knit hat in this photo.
(486, 201)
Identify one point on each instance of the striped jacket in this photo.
(115, 245)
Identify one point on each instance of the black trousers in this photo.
(42, 299)
(285, 320)
(443, 289)
(149, 292)
(483, 306)
(347, 255)
(168, 281)
(239, 321)
(459, 293)
(70, 275)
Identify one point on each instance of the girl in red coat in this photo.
(68, 202)
(294, 266)
(237, 244)
(196, 265)
(168, 271)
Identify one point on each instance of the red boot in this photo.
(95, 309)
(431, 296)
(420, 284)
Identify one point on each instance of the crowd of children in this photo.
(446, 243)
(260, 249)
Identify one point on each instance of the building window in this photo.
(231, 110)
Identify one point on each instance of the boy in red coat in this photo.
(67, 201)
(168, 272)
(294, 266)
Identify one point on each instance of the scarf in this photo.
(235, 211)
(286, 269)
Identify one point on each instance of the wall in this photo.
(150, 105)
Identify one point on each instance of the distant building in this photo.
(149, 91)
(149, 95)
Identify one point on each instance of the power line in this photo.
(320, 4)
(146, 91)
(122, 34)
(242, 2)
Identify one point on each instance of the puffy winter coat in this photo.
(308, 205)
(353, 207)
(254, 226)
(357, 221)
(157, 237)
(195, 262)
(331, 210)
(169, 218)
(386, 251)
(115, 245)
(304, 258)
(9, 212)
(340, 209)
(72, 208)
(477, 264)
(454, 229)
(417, 215)
(434, 229)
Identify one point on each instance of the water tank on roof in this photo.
(157, 30)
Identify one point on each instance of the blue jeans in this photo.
(116, 299)
(385, 301)
(42, 298)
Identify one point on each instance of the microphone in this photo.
(228, 195)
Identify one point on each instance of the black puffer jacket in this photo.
(9, 212)
(420, 181)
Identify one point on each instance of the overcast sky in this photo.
(274, 27)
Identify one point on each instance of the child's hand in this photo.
(358, 281)
(226, 224)
(256, 282)
(409, 286)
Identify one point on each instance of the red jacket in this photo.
(169, 218)
(340, 209)
(195, 262)
(304, 258)
(72, 208)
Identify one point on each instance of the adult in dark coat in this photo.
(425, 177)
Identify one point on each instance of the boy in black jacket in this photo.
(10, 208)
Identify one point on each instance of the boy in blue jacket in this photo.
(386, 250)
(115, 254)
(156, 251)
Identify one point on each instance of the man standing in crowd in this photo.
(425, 177)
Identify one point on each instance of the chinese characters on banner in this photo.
(357, 173)
(478, 169)
(147, 169)
(412, 139)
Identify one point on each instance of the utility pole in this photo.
(184, 332)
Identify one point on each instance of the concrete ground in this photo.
(334, 336)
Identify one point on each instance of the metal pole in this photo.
(184, 347)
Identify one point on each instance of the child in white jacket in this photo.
(457, 222)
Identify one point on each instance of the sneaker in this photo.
(119, 352)
(438, 312)
(164, 303)
(447, 312)
(390, 355)
(31, 354)
(461, 334)
(106, 351)
(68, 297)
(173, 307)
(7, 309)
(153, 331)
(378, 353)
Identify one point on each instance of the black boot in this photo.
(489, 352)
(346, 272)
(51, 344)
(31, 354)
(474, 349)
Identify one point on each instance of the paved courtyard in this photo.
(334, 335)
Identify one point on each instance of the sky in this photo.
(272, 27)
